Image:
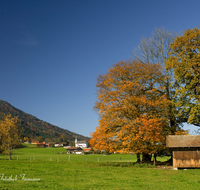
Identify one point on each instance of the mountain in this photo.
(34, 127)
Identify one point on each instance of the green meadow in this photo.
(51, 168)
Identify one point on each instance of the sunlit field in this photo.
(51, 168)
(52, 154)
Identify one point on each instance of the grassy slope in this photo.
(79, 174)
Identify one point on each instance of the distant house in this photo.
(50, 144)
(82, 144)
(74, 150)
(61, 144)
(86, 149)
(41, 145)
(56, 145)
(34, 142)
(186, 150)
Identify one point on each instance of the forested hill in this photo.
(34, 127)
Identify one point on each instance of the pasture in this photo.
(48, 168)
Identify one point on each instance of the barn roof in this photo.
(176, 141)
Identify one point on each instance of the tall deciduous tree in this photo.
(185, 60)
(132, 108)
(9, 134)
(156, 49)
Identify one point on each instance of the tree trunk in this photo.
(146, 157)
(154, 158)
(10, 153)
(10, 158)
(138, 157)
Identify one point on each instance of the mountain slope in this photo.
(33, 127)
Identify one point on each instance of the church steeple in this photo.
(75, 141)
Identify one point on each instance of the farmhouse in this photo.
(34, 142)
(41, 145)
(186, 150)
(61, 144)
(74, 150)
(87, 150)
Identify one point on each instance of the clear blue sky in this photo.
(51, 52)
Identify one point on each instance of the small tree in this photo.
(9, 134)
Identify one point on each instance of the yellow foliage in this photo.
(185, 61)
(8, 134)
(182, 132)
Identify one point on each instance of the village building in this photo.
(78, 149)
(74, 150)
(50, 144)
(185, 150)
(41, 145)
(86, 150)
(61, 144)
(82, 144)
(34, 142)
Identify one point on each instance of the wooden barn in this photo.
(186, 150)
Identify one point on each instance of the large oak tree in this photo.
(132, 106)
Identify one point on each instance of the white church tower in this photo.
(76, 141)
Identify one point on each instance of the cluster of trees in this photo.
(9, 134)
(142, 101)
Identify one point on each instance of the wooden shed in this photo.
(186, 150)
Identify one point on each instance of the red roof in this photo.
(87, 149)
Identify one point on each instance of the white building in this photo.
(81, 144)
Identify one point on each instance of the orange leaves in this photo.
(132, 108)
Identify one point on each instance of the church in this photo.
(81, 144)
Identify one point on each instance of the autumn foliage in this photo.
(132, 108)
(8, 134)
(185, 61)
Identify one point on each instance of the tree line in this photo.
(140, 102)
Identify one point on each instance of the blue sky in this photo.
(51, 52)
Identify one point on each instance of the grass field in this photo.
(31, 153)
(31, 168)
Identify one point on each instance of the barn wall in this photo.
(186, 159)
